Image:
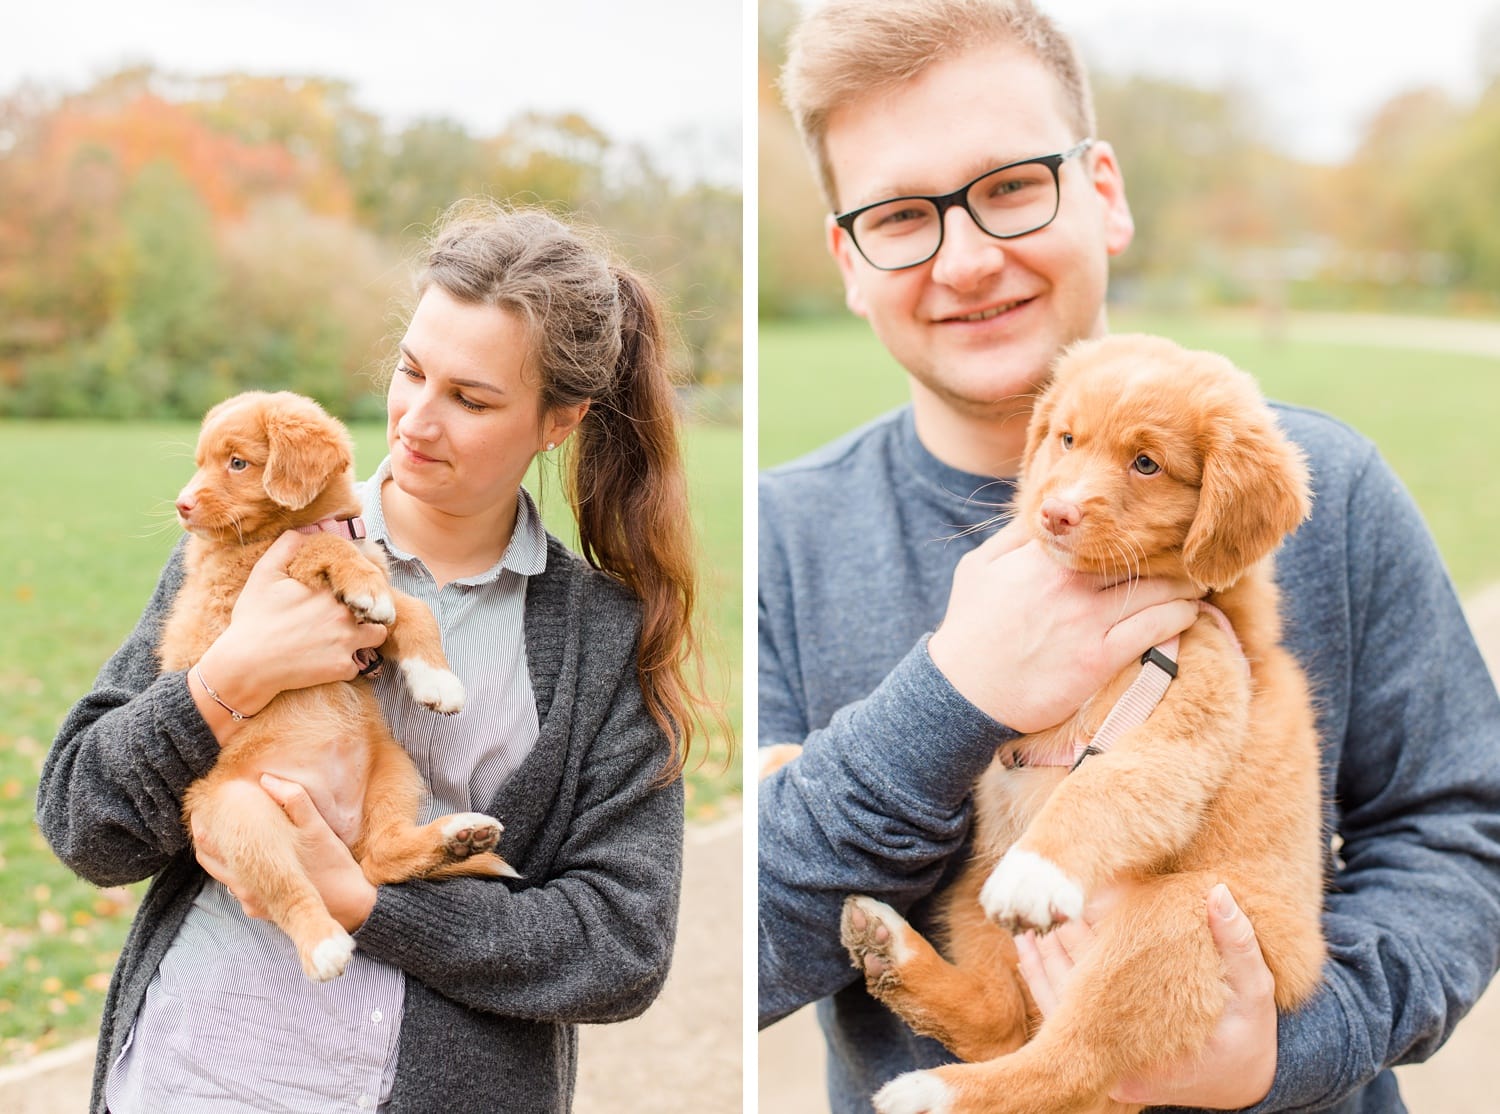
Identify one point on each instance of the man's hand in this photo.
(1029, 641)
(327, 862)
(1237, 1067)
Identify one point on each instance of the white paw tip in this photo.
(1026, 887)
(916, 1092)
(375, 609)
(438, 689)
(881, 913)
(461, 820)
(331, 956)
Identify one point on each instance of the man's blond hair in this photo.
(847, 50)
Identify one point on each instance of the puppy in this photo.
(1142, 459)
(268, 463)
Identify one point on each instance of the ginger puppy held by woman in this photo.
(582, 700)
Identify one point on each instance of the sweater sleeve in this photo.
(1410, 921)
(593, 941)
(876, 803)
(109, 800)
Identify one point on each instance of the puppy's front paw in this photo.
(371, 607)
(916, 1092)
(466, 834)
(1027, 891)
(329, 958)
(437, 689)
(873, 933)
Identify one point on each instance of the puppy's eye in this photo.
(1146, 466)
(238, 464)
(1067, 441)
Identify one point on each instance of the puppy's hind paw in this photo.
(916, 1092)
(437, 689)
(1026, 891)
(873, 933)
(466, 834)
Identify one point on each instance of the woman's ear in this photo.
(561, 421)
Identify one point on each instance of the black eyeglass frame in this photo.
(960, 197)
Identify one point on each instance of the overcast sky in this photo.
(646, 70)
(1319, 68)
(657, 70)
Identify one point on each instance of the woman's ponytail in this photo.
(599, 338)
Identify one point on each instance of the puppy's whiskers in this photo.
(166, 519)
(995, 521)
(176, 450)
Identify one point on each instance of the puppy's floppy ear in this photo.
(306, 449)
(1255, 491)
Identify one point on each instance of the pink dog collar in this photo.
(1158, 669)
(351, 528)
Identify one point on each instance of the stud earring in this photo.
(551, 445)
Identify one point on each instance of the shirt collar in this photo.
(526, 554)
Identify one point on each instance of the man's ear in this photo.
(1109, 185)
(845, 254)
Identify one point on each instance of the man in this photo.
(866, 547)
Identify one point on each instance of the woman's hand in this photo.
(332, 870)
(1028, 641)
(1237, 1067)
(282, 635)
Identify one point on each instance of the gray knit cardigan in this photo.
(499, 972)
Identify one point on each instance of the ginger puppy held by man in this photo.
(1142, 460)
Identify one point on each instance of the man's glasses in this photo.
(1010, 201)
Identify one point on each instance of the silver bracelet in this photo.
(236, 716)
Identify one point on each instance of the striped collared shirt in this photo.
(230, 1024)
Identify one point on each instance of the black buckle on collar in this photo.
(1155, 657)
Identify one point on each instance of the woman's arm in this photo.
(110, 797)
(592, 942)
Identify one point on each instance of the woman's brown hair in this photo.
(598, 336)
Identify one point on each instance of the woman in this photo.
(463, 994)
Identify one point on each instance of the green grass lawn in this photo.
(1434, 414)
(88, 508)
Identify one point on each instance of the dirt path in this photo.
(1460, 1079)
(682, 1056)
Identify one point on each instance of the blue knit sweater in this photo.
(858, 543)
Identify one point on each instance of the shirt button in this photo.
(377, 1017)
(364, 1102)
